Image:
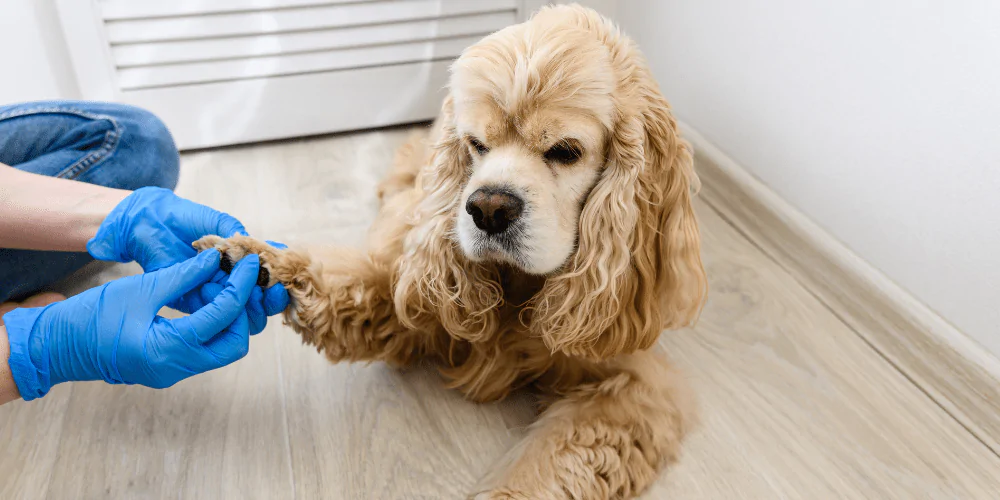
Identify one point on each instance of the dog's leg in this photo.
(341, 304)
(603, 439)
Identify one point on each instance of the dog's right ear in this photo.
(435, 284)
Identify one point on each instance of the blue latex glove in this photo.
(155, 228)
(113, 333)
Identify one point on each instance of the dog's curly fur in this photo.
(583, 335)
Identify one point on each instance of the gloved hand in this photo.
(155, 228)
(259, 307)
(113, 333)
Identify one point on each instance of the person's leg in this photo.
(107, 144)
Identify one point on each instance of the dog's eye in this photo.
(565, 153)
(478, 146)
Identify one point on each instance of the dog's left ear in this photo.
(638, 266)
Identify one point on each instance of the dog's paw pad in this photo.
(237, 247)
(264, 277)
(226, 264)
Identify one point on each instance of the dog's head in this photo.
(534, 110)
(559, 156)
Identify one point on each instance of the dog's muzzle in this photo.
(493, 210)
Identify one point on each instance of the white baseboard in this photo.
(952, 369)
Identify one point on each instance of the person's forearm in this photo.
(48, 213)
(8, 389)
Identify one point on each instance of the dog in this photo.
(543, 239)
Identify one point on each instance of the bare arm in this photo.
(8, 389)
(47, 213)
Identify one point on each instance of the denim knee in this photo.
(147, 146)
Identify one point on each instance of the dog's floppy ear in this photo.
(637, 269)
(433, 280)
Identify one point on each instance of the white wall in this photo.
(879, 119)
(34, 53)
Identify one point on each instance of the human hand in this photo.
(113, 333)
(155, 228)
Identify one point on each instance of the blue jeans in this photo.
(111, 145)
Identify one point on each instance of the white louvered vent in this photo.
(231, 71)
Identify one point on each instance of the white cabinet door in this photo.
(224, 72)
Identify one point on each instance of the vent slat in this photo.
(115, 10)
(240, 69)
(213, 114)
(295, 20)
(133, 55)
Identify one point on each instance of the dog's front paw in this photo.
(235, 248)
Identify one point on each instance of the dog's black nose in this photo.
(493, 210)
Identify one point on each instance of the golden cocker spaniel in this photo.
(544, 239)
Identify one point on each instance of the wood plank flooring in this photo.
(954, 370)
(794, 403)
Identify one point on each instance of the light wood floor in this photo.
(795, 404)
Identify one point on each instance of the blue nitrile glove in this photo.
(155, 228)
(113, 333)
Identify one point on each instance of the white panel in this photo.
(311, 18)
(138, 9)
(33, 42)
(290, 43)
(88, 49)
(158, 76)
(243, 111)
(234, 71)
